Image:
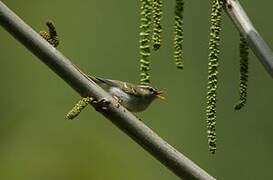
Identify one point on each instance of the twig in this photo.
(126, 121)
(257, 44)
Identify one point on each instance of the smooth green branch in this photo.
(52, 38)
(178, 163)
(255, 41)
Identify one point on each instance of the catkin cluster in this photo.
(243, 73)
(149, 36)
(178, 33)
(51, 36)
(214, 50)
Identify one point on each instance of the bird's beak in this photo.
(159, 95)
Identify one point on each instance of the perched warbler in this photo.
(134, 97)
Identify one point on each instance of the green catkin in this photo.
(178, 33)
(243, 73)
(157, 28)
(145, 40)
(51, 36)
(76, 110)
(214, 50)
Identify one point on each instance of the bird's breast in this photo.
(131, 102)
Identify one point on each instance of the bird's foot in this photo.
(101, 104)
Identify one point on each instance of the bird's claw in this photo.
(101, 104)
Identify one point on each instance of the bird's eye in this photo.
(151, 89)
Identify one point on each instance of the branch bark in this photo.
(257, 44)
(126, 121)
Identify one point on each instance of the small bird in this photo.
(135, 98)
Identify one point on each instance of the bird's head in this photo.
(148, 91)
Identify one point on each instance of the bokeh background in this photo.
(101, 37)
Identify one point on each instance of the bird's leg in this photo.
(101, 104)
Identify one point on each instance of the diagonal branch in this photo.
(126, 121)
(256, 42)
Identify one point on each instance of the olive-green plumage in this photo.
(134, 97)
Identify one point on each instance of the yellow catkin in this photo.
(214, 50)
(178, 33)
(145, 40)
(76, 110)
(157, 27)
(51, 36)
(243, 73)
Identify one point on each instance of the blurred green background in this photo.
(101, 37)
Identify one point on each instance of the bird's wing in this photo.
(108, 82)
(126, 87)
(96, 80)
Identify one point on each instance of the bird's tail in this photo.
(96, 79)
